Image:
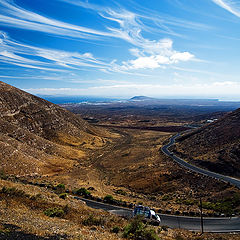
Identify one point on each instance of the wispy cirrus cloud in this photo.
(19, 54)
(151, 53)
(162, 21)
(230, 5)
(15, 16)
(13, 52)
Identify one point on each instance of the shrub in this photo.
(54, 212)
(108, 199)
(13, 192)
(177, 212)
(115, 229)
(225, 207)
(3, 174)
(36, 197)
(63, 195)
(93, 221)
(121, 192)
(66, 209)
(83, 192)
(61, 185)
(137, 230)
(60, 188)
(191, 213)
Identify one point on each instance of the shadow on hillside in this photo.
(13, 232)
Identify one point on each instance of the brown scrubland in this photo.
(44, 147)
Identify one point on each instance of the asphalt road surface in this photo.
(233, 181)
(190, 223)
(231, 224)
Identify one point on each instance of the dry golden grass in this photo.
(22, 214)
(25, 210)
(44, 143)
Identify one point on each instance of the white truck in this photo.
(149, 215)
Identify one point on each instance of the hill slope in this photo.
(215, 146)
(38, 137)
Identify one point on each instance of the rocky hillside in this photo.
(38, 137)
(215, 146)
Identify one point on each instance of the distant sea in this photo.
(76, 99)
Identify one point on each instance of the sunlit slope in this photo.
(215, 146)
(37, 136)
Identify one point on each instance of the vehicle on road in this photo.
(149, 215)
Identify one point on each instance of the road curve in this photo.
(190, 223)
(231, 180)
(219, 225)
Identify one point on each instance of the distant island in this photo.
(141, 98)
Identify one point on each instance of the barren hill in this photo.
(215, 146)
(38, 137)
(44, 145)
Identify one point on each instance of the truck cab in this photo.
(149, 215)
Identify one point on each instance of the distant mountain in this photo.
(215, 146)
(39, 137)
(141, 98)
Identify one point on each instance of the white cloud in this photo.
(230, 5)
(12, 52)
(184, 56)
(149, 53)
(144, 62)
(156, 55)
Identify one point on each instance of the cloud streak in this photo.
(16, 53)
(149, 54)
(229, 5)
(15, 16)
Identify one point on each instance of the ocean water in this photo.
(76, 99)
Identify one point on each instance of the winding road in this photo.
(231, 224)
(218, 225)
(231, 180)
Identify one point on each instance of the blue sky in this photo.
(122, 48)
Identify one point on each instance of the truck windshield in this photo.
(142, 211)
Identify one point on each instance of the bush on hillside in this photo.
(3, 175)
(54, 212)
(83, 192)
(13, 192)
(108, 199)
(137, 230)
(63, 195)
(60, 188)
(115, 229)
(93, 221)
